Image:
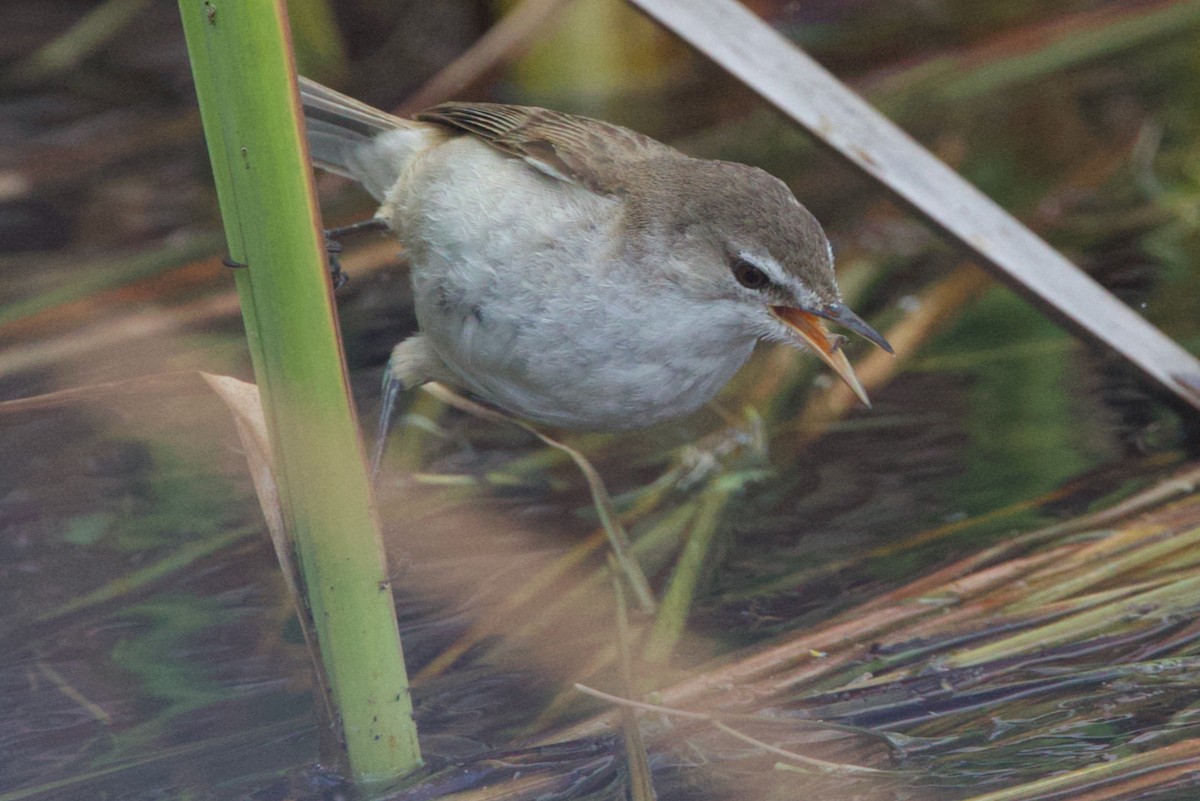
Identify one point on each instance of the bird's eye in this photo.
(748, 275)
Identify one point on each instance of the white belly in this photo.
(521, 289)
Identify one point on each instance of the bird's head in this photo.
(735, 234)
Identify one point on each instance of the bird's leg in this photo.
(373, 224)
(392, 387)
(333, 245)
(413, 362)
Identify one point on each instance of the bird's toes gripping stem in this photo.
(333, 246)
(336, 275)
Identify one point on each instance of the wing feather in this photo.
(571, 148)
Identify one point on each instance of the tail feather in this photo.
(353, 139)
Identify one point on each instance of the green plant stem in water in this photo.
(245, 83)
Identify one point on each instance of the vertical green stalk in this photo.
(245, 83)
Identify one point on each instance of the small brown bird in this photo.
(577, 273)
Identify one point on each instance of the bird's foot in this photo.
(334, 251)
(333, 246)
(393, 388)
(413, 363)
(735, 448)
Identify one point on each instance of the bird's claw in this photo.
(730, 449)
(393, 388)
(334, 248)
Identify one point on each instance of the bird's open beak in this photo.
(807, 324)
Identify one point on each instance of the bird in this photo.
(575, 273)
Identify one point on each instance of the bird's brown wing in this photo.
(582, 150)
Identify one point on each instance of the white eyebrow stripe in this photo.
(775, 272)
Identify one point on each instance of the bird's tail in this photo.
(353, 139)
